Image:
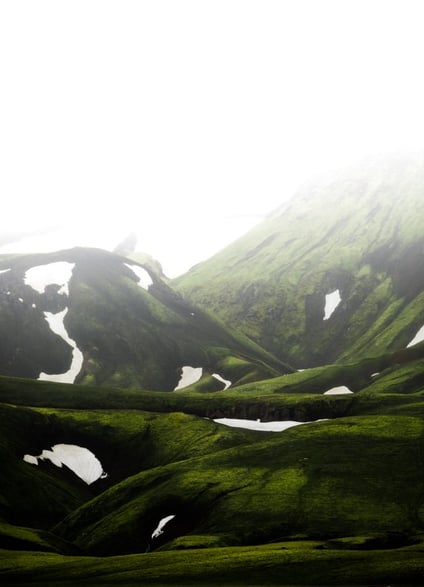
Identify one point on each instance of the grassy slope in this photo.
(294, 483)
(300, 563)
(360, 232)
(360, 475)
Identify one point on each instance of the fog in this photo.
(188, 122)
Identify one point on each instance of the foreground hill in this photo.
(337, 500)
(89, 316)
(336, 273)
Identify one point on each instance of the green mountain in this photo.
(354, 239)
(126, 335)
(250, 473)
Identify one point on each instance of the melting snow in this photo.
(144, 279)
(189, 375)
(258, 425)
(80, 460)
(161, 525)
(419, 337)
(40, 276)
(57, 325)
(31, 460)
(226, 382)
(332, 300)
(338, 390)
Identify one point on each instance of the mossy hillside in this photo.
(125, 442)
(129, 337)
(20, 538)
(282, 563)
(34, 495)
(360, 232)
(297, 396)
(323, 480)
(264, 403)
(314, 564)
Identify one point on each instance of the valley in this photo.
(256, 421)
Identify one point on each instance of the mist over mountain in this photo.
(258, 420)
(355, 236)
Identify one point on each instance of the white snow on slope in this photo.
(144, 279)
(332, 300)
(4, 270)
(419, 337)
(159, 530)
(77, 458)
(338, 390)
(226, 382)
(258, 425)
(56, 323)
(40, 276)
(189, 375)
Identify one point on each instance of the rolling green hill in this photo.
(338, 500)
(356, 234)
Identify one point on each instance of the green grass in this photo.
(332, 502)
(276, 564)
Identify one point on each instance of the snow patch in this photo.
(77, 458)
(159, 530)
(31, 460)
(332, 300)
(338, 390)
(189, 375)
(144, 279)
(4, 271)
(40, 276)
(419, 337)
(226, 382)
(56, 323)
(257, 424)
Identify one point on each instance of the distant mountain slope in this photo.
(336, 273)
(90, 316)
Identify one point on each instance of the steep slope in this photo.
(90, 316)
(334, 274)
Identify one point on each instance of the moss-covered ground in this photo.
(334, 502)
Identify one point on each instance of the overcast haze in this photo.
(188, 121)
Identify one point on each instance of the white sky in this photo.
(187, 121)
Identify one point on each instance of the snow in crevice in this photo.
(332, 300)
(341, 389)
(4, 271)
(144, 279)
(56, 323)
(160, 527)
(419, 337)
(77, 458)
(189, 376)
(277, 426)
(59, 273)
(226, 382)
